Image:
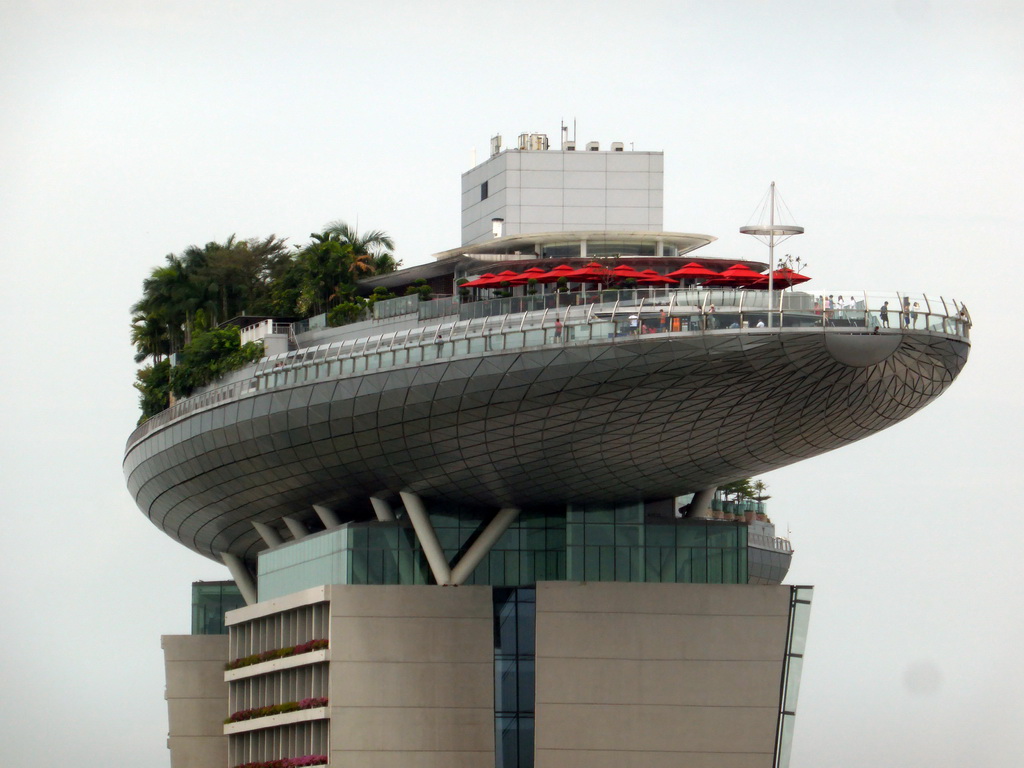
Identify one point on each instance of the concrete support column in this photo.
(700, 507)
(243, 580)
(327, 516)
(268, 534)
(297, 528)
(488, 537)
(382, 509)
(427, 537)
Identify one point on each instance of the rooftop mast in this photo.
(775, 233)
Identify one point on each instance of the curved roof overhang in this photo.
(527, 244)
(524, 248)
(645, 418)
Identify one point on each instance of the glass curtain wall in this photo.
(515, 631)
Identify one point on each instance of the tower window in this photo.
(483, 191)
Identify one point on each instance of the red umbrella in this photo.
(505, 277)
(592, 273)
(650, 277)
(692, 271)
(533, 273)
(784, 277)
(562, 270)
(626, 272)
(480, 282)
(737, 274)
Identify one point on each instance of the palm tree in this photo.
(149, 335)
(325, 267)
(759, 487)
(360, 265)
(385, 263)
(375, 243)
(167, 295)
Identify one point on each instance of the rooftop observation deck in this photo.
(446, 328)
(535, 400)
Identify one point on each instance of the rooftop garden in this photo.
(186, 299)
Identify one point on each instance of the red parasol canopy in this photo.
(736, 275)
(507, 276)
(784, 277)
(650, 277)
(562, 270)
(591, 273)
(482, 281)
(626, 272)
(533, 273)
(692, 271)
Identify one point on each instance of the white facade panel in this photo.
(541, 196)
(541, 214)
(630, 180)
(628, 218)
(584, 197)
(628, 198)
(528, 228)
(540, 161)
(586, 180)
(470, 198)
(629, 161)
(545, 179)
(588, 217)
(585, 161)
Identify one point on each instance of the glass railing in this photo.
(622, 316)
(777, 543)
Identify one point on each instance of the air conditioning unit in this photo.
(533, 142)
(593, 146)
(617, 146)
(569, 146)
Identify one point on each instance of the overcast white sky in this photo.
(129, 130)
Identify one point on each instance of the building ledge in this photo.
(275, 665)
(272, 721)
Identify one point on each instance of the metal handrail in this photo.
(574, 317)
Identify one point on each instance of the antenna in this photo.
(776, 233)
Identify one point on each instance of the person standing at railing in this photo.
(558, 329)
(851, 308)
(913, 314)
(662, 322)
(906, 312)
(883, 314)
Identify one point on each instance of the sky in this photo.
(895, 133)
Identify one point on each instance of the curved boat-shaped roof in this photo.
(648, 416)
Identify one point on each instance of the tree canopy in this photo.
(211, 284)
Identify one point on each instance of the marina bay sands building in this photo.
(489, 529)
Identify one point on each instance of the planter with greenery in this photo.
(275, 709)
(277, 653)
(288, 762)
